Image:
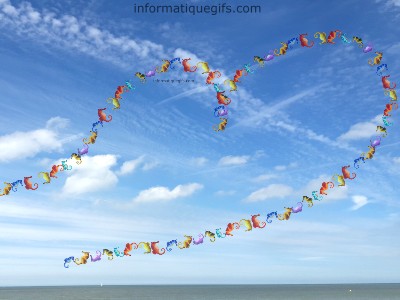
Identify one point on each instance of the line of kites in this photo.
(254, 222)
(116, 104)
(223, 100)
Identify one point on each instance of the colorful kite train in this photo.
(221, 111)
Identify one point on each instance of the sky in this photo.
(158, 171)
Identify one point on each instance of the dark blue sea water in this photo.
(215, 292)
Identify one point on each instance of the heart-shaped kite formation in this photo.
(221, 110)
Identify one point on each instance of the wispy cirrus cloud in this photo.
(257, 114)
(266, 114)
(71, 33)
(197, 90)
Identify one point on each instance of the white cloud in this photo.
(149, 165)
(56, 123)
(271, 191)
(283, 168)
(9, 9)
(19, 145)
(312, 258)
(93, 175)
(396, 160)
(225, 193)
(233, 160)
(130, 166)
(258, 154)
(265, 177)
(359, 201)
(199, 161)
(280, 168)
(361, 130)
(395, 3)
(160, 193)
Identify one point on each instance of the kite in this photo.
(219, 111)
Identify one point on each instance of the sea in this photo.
(215, 292)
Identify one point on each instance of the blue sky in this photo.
(159, 172)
